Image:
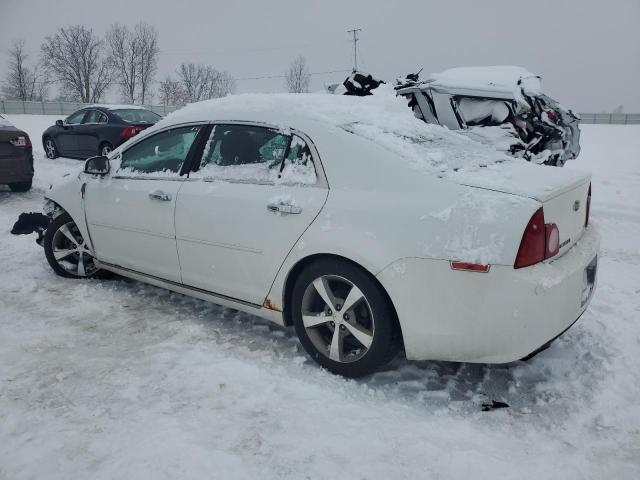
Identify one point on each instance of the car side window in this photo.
(244, 153)
(298, 165)
(95, 116)
(256, 154)
(75, 118)
(162, 153)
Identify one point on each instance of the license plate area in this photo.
(589, 281)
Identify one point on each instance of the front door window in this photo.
(162, 153)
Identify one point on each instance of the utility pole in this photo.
(355, 49)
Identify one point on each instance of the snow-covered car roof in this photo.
(497, 78)
(382, 118)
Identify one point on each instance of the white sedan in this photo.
(347, 218)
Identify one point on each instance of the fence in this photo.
(614, 118)
(62, 108)
(67, 108)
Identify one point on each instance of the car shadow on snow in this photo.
(555, 379)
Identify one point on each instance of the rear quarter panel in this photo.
(379, 210)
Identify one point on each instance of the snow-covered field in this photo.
(116, 379)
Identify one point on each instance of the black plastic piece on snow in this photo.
(488, 407)
(30, 222)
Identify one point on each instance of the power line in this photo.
(355, 48)
(250, 50)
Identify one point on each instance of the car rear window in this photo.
(137, 115)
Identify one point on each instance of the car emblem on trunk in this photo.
(576, 205)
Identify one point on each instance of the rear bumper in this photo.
(16, 169)
(495, 317)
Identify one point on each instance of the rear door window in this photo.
(255, 154)
(95, 116)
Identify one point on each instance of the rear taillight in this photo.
(586, 217)
(21, 141)
(131, 132)
(539, 241)
(532, 248)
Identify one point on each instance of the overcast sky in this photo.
(587, 51)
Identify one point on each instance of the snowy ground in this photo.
(115, 379)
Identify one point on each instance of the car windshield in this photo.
(137, 115)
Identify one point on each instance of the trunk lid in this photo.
(562, 193)
(8, 133)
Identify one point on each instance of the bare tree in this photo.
(124, 60)
(170, 92)
(147, 40)
(298, 76)
(75, 57)
(201, 82)
(223, 84)
(23, 83)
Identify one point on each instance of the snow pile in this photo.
(4, 122)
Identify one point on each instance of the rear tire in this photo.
(21, 186)
(66, 251)
(355, 335)
(50, 149)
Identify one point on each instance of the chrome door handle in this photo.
(160, 195)
(286, 208)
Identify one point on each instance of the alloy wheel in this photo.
(338, 318)
(50, 148)
(71, 252)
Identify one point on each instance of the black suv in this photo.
(96, 130)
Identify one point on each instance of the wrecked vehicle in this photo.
(499, 105)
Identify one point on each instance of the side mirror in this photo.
(97, 166)
(59, 123)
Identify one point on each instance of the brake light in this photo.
(586, 218)
(21, 141)
(470, 267)
(131, 132)
(539, 241)
(532, 246)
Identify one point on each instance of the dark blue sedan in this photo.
(95, 130)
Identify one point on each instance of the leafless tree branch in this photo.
(74, 56)
(298, 76)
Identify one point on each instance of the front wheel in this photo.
(50, 148)
(343, 318)
(66, 250)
